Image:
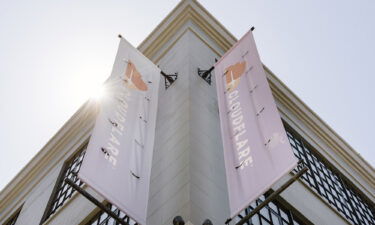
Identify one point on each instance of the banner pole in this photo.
(271, 197)
(95, 201)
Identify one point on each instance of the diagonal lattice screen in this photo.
(331, 185)
(62, 191)
(273, 213)
(103, 218)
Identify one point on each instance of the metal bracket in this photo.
(206, 74)
(169, 78)
(301, 170)
(95, 201)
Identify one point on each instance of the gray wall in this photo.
(188, 167)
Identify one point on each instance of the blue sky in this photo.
(54, 54)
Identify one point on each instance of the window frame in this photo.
(318, 165)
(293, 216)
(49, 211)
(95, 217)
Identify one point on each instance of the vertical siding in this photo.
(188, 170)
(170, 177)
(208, 184)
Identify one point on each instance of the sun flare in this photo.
(98, 93)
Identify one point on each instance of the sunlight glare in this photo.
(98, 93)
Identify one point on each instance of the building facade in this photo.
(188, 176)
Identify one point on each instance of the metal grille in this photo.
(62, 190)
(103, 218)
(331, 186)
(363, 210)
(273, 213)
(12, 221)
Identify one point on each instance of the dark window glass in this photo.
(332, 186)
(103, 218)
(62, 191)
(273, 213)
(325, 181)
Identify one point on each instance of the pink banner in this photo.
(256, 149)
(118, 160)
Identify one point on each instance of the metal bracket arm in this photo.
(169, 78)
(206, 74)
(271, 197)
(95, 201)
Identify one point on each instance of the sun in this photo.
(98, 93)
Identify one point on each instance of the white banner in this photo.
(118, 160)
(256, 149)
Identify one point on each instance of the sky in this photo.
(55, 54)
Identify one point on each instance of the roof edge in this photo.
(322, 130)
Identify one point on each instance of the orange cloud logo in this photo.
(133, 79)
(233, 74)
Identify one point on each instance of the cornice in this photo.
(186, 10)
(38, 166)
(171, 25)
(182, 13)
(311, 120)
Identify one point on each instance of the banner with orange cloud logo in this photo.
(118, 160)
(256, 150)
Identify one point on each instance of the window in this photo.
(272, 214)
(62, 190)
(12, 220)
(103, 218)
(331, 185)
